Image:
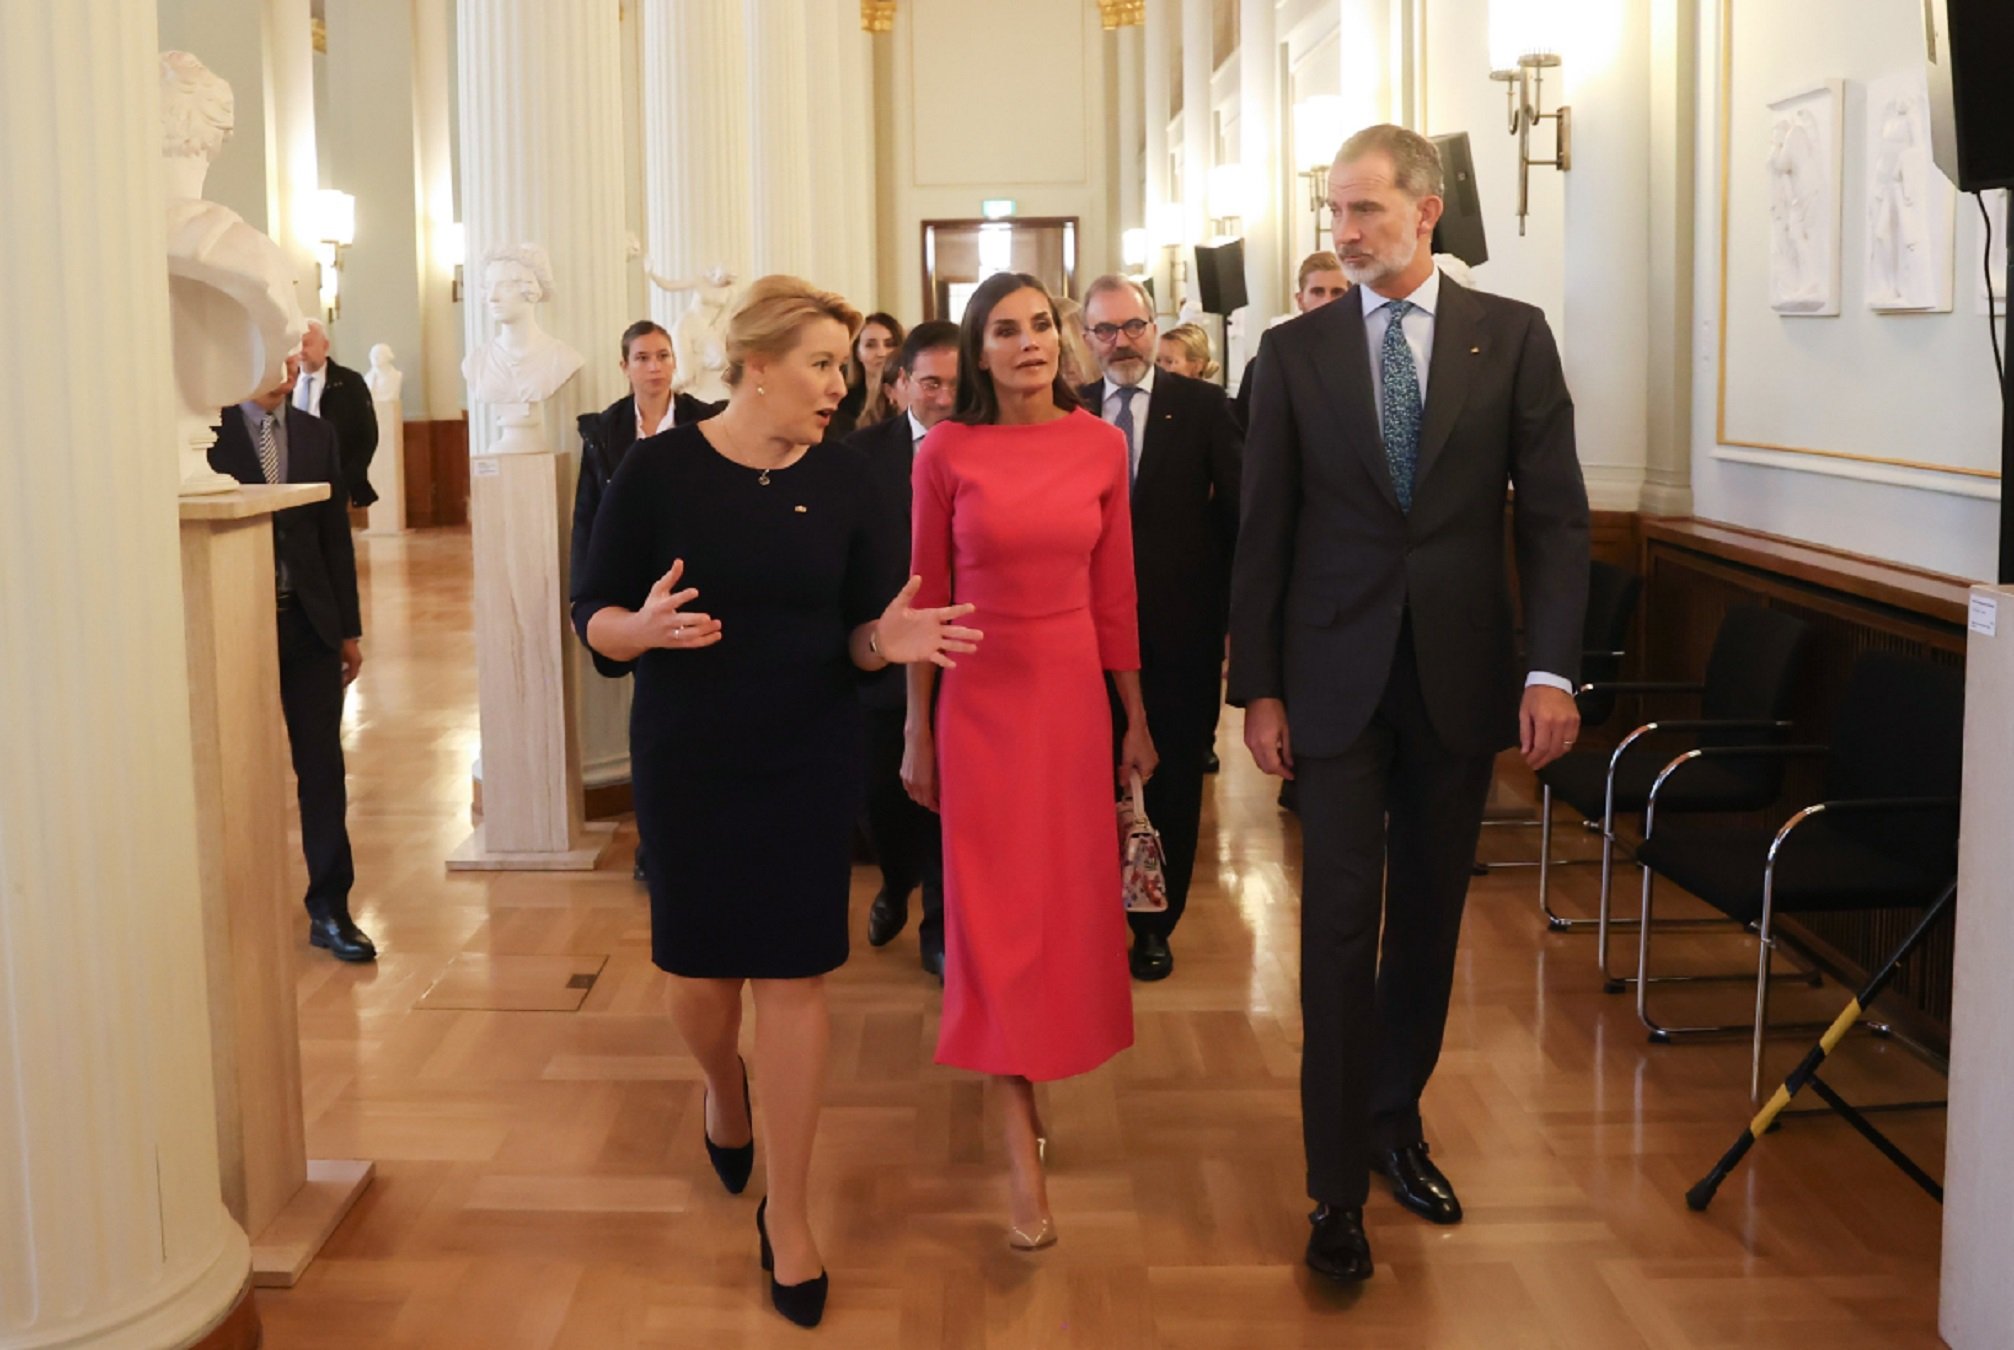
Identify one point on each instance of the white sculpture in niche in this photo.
(699, 337)
(1908, 201)
(233, 313)
(385, 380)
(522, 365)
(1804, 200)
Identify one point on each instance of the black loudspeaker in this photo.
(1460, 231)
(1969, 49)
(1220, 276)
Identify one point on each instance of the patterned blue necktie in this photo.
(1124, 421)
(1399, 417)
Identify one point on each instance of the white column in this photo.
(695, 142)
(290, 102)
(440, 316)
(1261, 131)
(1674, 104)
(1605, 345)
(826, 135)
(112, 1228)
(1157, 43)
(1128, 43)
(779, 148)
(541, 137)
(854, 114)
(1198, 152)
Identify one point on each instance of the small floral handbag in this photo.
(1143, 865)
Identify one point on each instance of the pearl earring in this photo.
(760, 390)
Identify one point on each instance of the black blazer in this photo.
(1327, 563)
(890, 453)
(347, 408)
(313, 540)
(605, 437)
(1185, 523)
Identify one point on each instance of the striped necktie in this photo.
(1124, 421)
(269, 450)
(1399, 417)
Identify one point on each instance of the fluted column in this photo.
(541, 138)
(826, 135)
(1198, 152)
(1157, 38)
(695, 142)
(1129, 166)
(291, 149)
(1260, 135)
(854, 76)
(112, 1228)
(779, 115)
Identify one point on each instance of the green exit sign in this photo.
(997, 208)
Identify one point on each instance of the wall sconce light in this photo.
(1230, 198)
(335, 230)
(1318, 131)
(454, 250)
(1524, 44)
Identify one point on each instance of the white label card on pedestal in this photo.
(486, 468)
(1985, 615)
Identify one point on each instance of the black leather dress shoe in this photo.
(732, 1164)
(1337, 1248)
(933, 961)
(1418, 1184)
(1150, 958)
(636, 872)
(340, 937)
(802, 1303)
(886, 917)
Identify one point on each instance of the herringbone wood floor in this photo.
(540, 1181)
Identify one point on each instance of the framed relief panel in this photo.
(1908, 203)
(1803, 167)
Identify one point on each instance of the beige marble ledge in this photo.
(242, 503)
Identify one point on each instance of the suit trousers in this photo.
(1389, 831)
(1183, 700)
(907, 838)
(311, 697)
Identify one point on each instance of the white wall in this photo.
(990, 98)
(1916, 388)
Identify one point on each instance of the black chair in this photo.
(1885, 836)
(1744, 700)
(1611, 605)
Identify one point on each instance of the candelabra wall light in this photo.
(1318, 132)
(335, 230)
(1230, 200)
(1524, 44)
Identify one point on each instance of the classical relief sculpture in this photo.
(1908, 201)
(1803, 167)
(234, 315)
(523, 364)
(384, 379)
(699, 338)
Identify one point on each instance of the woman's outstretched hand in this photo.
(664, 620)
(905, 635)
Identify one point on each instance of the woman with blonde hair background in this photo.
(1185, 350)
(746, 740)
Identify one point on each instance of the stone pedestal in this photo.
(531, 762)
(251, 923)
(1977, 1307)
(388, 469)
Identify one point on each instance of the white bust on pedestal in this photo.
(231, 299)
(523, 365)
(385, 380)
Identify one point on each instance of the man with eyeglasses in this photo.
(905, 835)
(1186, 450)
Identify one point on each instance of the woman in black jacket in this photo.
(606, 436)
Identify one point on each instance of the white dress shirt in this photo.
(308, 392)
(1110, 412)
(664, 423)
(917, 431)
(1419, 330)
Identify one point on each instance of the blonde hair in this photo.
(1196, 344)
(1076, 364)
(1319, 261)
(771, 315)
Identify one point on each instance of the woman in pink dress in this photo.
(1021, 510)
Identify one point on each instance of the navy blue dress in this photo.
(746, 757)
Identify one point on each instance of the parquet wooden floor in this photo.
(540, 1180)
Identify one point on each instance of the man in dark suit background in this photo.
(906, 836)
(264, 440)
(1186, 451)
(339, 396)
(1372, 649)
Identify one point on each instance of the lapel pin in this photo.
(1475, 351)
(800, 510)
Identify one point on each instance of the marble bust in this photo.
(386, 381)
(522, 364)
(234, 315)
(699, 337)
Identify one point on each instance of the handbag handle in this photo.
(1139, 798)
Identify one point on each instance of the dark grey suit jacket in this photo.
(1327, 564)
